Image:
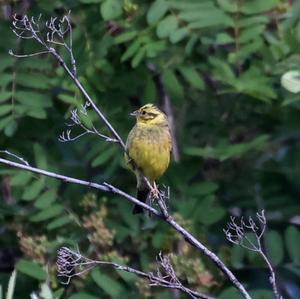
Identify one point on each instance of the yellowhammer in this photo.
(149, 145)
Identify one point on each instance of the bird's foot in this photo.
(154, 192)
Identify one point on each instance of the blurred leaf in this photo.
(166, 26)
(32, 269)
(292, 241)
(172, 84)
(227, 151)
(109, 285)
(257, 6)
(33, 190)
(156, 11)
(59, 222)
(48, 213)
(178, 35)
(192, 77)
(5, 95)
(111, 9)
(83, 295)
(274, 245)
(125, 37)
(46, 199)
(21, 178)
(231, 293)
(204, 188)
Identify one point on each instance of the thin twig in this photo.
(237, 233)
(70, 263)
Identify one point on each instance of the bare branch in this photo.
(15, 156)
(238, 233)
(70, 263)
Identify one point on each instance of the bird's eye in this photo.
(143, 112)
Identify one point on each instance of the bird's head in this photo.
(149, 114)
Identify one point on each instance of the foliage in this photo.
(221, 62)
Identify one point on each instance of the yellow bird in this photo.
(149, 145)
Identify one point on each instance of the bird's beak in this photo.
(134, 113)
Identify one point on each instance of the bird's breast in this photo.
(150, 149)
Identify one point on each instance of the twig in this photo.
(70, 263)
(30, 26)
(15, 156)
(236, 233)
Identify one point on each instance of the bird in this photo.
(148, 146)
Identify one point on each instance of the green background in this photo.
(237, 131)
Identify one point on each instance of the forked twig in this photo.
(242, 232)
(71, 264)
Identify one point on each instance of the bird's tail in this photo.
(142, 195)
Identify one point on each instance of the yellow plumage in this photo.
(149, 145)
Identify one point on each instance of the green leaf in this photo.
(131, 50)
(274, 246)
(204, 188)
(5, 95)
(192, 76)
(38, 81)
(178, 35)
(5, 79)
(47, 213)
(237, 256)
(166, 26)
(104, 157)
(4, 109)
(83, 295)
(172, 84)
(5, 62)
(33, 190)
(251, 33)
(40, 156)
(225, 151)
(292, 241)
(125, 37)
(68, 99)
(32, 269)
(5, 121)
(59, 222)
(90, 1)
(11, 128)
(46, 199)
(258, 6)
(111, 9)
(138, 57)
(156, 11)
(231, 293)
(21, 178)
(33, 99)
(109, 285)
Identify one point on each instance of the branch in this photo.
(238, 233)
(70, 263)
